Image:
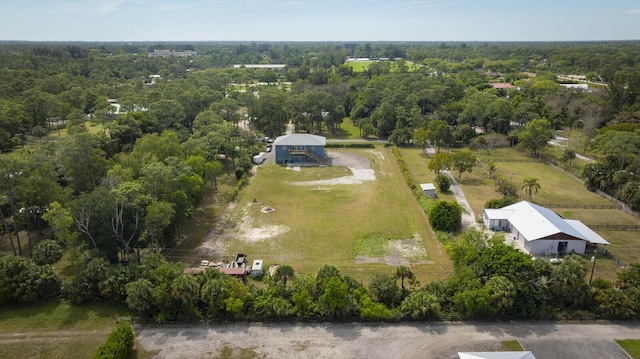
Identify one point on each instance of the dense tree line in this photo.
(491, 279)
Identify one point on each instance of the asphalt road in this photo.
(357, 340)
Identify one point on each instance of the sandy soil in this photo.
(356, 340)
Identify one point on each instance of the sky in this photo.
(320, 20)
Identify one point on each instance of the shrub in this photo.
(443, 182)
(47, 252)
(351, 145)
(445, 216)
(118, 344)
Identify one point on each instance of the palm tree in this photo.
(530, 184)
(491, 168)
(401, 273)
(283, 274)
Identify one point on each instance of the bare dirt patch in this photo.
(237, 224)
(399, 252)
(360, 168)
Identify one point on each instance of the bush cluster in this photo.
(349, 145)
(118, 344)
(244, 180)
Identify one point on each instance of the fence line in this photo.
(580, 206)
(614, 227)
(578, 318)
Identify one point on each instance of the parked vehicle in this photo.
(259, 158)
(256, 269)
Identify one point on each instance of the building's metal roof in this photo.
(300, 139)
(536, 222)
(587, 232)
(496, 355)
(427, 186)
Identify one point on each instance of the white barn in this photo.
(539, 230)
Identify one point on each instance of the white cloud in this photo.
(108, 7)
(633, 11)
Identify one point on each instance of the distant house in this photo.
(583, 87)
(429, 189)
(496, 355)
(539, 230)
(502, 86)
(170, 53)
(300, 148)
(272, 67)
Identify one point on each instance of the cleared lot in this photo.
(355, 340)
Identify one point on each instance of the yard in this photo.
(555, 188)
(361, 228)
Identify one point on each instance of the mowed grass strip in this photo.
(631, 346)
(55, 330)
(327, 223)
(347, 131)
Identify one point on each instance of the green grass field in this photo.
(362, 66)
(347, 131)
(55, 330)
(334, 224)
(631, 346)
(555, 188)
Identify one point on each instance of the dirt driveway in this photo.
(356, 340)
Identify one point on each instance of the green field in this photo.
(555, 188)
(336, 224)
(55, 330)
(631, 346)
(347, 131)
(362, 66)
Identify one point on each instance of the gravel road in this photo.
(356, 340)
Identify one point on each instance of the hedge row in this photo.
(118, 344)
(349, 145)
(239, 186)
(425, 202)
(403, 167)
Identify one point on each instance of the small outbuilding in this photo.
(429, 189)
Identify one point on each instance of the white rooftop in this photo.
(536, 222)
(300, 139)
(427, 186)
(496, 355)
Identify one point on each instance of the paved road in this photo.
(357, 340)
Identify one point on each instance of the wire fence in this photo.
(580, 206)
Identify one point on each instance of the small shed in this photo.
(429, 189)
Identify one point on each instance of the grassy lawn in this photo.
(624, 245)
(362, 66)
(631, 346)
(55, 330)
(555, 188)
(333, 224)
(347, 131)
(511, 346)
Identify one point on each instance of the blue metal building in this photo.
(300, 148)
